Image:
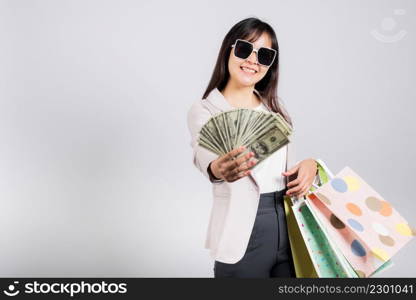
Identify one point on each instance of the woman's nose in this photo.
(252, 58)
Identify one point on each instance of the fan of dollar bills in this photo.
(260, 132)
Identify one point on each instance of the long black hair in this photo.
(249, 29)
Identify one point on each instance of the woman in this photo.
(247, 232)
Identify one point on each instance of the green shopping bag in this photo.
(304, 267)
(314, 254)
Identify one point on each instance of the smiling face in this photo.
(247, 72)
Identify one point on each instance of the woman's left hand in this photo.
(306, 170)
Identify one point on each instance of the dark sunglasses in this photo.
(243, 49)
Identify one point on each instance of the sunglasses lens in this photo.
(243, 49)
(266, 56)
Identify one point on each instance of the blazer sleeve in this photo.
(197, 116)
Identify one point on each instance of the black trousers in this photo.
(268, 253)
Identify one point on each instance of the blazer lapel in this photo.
(217, 99)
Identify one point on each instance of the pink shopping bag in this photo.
(365, 227)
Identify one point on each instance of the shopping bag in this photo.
(302, 259)
(304, 268)
(364, 227)
(327, 260)
(317, 257)
(314, 253)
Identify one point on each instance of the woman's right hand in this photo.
(230, 168)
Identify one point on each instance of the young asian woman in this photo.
(247, 232)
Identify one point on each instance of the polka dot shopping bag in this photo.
(362, 225)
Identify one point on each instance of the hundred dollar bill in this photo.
(261, 132)
(268, 143)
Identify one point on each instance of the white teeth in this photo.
(248, 70)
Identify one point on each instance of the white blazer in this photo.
(235, 204)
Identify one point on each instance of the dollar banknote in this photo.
(260, 132)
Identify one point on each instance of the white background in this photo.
(96, 174)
